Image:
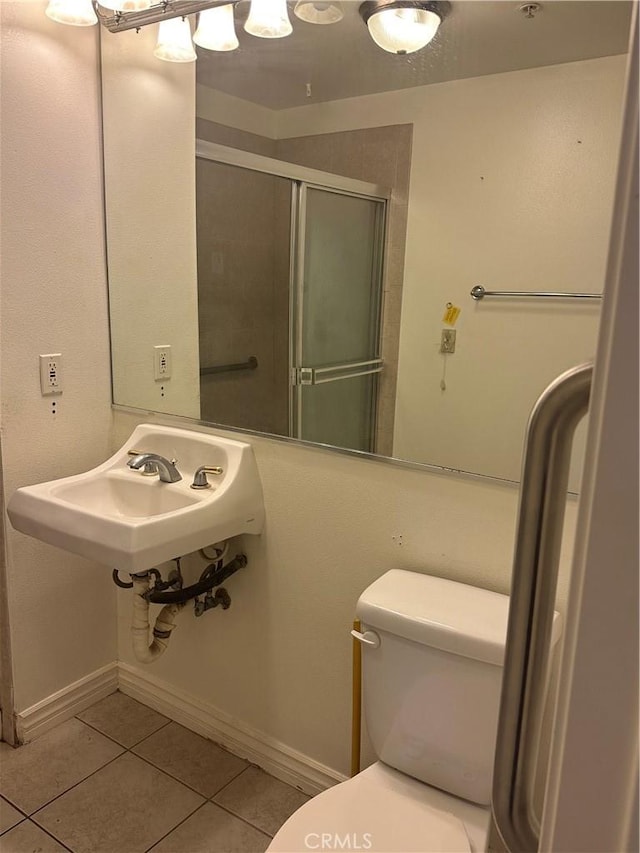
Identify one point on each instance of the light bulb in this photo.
(78, 13)
(216, 30)
(174, 41)
(268, 19)
(318, 13)
(399, 30)
(125, 5)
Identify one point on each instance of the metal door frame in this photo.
(296, 297)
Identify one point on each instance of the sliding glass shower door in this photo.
(336, 314)
(289, 298)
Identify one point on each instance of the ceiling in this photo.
(478, 37)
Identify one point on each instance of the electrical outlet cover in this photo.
(51, 374)
(162, 362)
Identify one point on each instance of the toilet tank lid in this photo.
(444, 614)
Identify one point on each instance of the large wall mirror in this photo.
(295, 227)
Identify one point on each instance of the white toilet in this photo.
(431, 689)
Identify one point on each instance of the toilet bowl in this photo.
(383, 811)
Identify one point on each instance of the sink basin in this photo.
(126, 520)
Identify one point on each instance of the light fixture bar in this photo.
(121, 21)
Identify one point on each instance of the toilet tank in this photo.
(431, 689)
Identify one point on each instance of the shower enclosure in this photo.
(290, 264)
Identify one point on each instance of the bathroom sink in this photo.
(124, 519)
(116, 494)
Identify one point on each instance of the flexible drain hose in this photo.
(165, 623)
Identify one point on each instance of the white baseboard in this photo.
(276, 758)
(66, 703)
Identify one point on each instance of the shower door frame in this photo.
(371, 367)
(302, 177)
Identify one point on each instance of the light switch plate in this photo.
(448, 341)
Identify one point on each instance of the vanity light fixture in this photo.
(403, 26)
(216, 29)
(318, 13)
(397, 26)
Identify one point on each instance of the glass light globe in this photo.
(318, 13)
(399, 30)
(216, 30)
(174, 41)
(77, 13)
(268, 19)
(125, 5)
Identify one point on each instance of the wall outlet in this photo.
(51, 374)
(162, 362)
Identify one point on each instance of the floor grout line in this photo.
(191, 814)
(210, 798)
(57, 840)
(17, 808)
(71, 787)
(146, 737)
(182, 782)
(9, 828)
(226, 784)
(111, 738)
(239, 817)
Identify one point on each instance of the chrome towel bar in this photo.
(478, 292)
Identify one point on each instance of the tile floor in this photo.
(121, 778)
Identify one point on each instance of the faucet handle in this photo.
(200, 477)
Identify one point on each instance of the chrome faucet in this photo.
(167, 470)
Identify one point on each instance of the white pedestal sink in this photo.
(126, 520)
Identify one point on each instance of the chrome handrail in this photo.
(545, 477)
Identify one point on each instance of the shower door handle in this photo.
(335, 372)
(545, 475)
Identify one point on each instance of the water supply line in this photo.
(164, 624)
(149, 588)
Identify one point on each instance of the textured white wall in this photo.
(149, 109)
(280, 659)
(511, 187)
(62, 608)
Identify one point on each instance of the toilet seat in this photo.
(383, 811)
